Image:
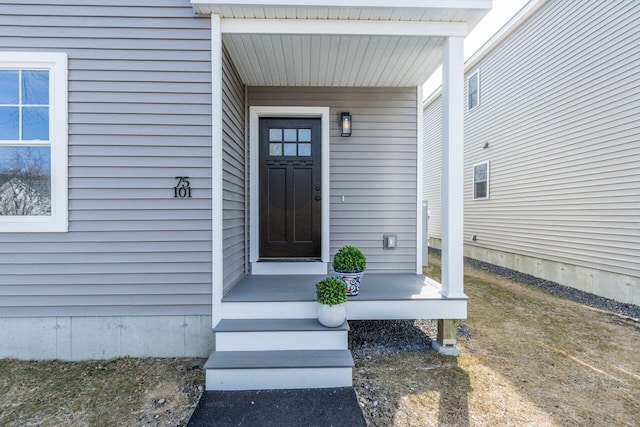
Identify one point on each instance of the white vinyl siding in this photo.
(139, 115)
(432, 152)
(233, 170)
(563, 140)
(374, 169)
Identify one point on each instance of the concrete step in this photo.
(280, 369)
(278, 334)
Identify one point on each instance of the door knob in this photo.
(317, 198)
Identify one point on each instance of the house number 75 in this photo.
(182, 189)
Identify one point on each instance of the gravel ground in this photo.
(591, 300)
(378, 338)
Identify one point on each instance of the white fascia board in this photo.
(343, 27)
(419, 4)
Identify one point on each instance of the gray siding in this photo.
(139, 115)
(233, 169)
(559, 109)
(432, 154)
(374, 169)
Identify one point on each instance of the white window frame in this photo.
(475, 73)
(473, 179)
(57, 65)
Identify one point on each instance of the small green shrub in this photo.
(349, 259)
(331, 291)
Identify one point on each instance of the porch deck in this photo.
(382, 296)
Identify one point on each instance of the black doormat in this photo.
(304, 407)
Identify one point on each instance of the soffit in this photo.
(336, 59)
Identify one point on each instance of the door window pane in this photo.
(35, 87)
(290, 149)
(291, 135)
(9, 87)
(275, 135)
(304, 149)
(304, 135)
(35, 123)
(275, 149)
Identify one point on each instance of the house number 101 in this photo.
(182, 189)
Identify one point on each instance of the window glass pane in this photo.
(290, 149)
(275, 149)
(481, 190)
(9, 87)
(35, 87)
(291, 135)
(304, 135)
(304, 149)
(9, 123)
(275, 135)
(35, 123)
(25, 181)
(480, 172)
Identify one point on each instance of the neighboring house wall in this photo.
(233, 166)
(374, 169)
(432, 152)
(133, 274)
(559, 109)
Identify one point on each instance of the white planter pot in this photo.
(331, 316)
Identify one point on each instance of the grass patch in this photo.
(119, 392)
(535, 359)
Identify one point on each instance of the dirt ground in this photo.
(532, 359)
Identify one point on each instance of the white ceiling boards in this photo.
(340, 42)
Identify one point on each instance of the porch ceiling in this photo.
(340, 42)
(319, 60)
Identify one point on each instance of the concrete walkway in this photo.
(271, 408)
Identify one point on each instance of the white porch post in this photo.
(452, 167)
(217, 276)
(452, 186)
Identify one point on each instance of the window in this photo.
(33, 142)
(473, 90)
(297, 142)
(481, 180)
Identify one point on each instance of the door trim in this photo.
(254, 231)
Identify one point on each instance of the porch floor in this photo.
(382, 296)
(375, 287)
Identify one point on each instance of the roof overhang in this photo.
(340, 42)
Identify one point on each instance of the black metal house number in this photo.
(182, 189)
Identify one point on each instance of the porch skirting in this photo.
(87, 338)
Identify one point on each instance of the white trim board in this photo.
(344, 27)
(217, 252)
(255, 112)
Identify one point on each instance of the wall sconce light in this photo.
(345, 123)
(486, 145)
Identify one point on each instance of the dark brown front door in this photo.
(290, 179)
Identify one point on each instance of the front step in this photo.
(278, 334)
(278, 369)
(259, 354)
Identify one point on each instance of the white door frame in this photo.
(254, 231)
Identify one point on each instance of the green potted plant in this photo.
(349, 264)
(331, 296)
